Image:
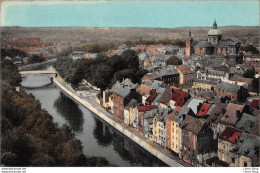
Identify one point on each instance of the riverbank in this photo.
(29, 66)
(89, 102)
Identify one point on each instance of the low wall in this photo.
(120, 128)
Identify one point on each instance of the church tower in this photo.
(189, 42)
(214, 34)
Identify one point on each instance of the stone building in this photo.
(186, 74)
(159, 127)
(213, 44)
(189, 42)
(197, 139)
(226, 141)
(233, 91)
(122, 94)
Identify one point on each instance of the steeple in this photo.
(189, 34)
(215, 26)
(189, 42)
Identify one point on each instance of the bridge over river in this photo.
(43, 79)
(37, 72)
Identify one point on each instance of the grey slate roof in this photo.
(194, 105)
(121, 91)
(228, 87)
(202, 44)
(247, 145)
(142, 56)
(133, 103)
(149, 115)
(156, 84)
(246, 122)
(124, 88)
(167, 72)
(222, 44)
(160, 91)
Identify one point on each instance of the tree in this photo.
(116, 62)
(173, 60)
(11, 74)
(250, 73)
(131, 59)
(120, 75)
(249, 48)
(36, 59)
(102, 76)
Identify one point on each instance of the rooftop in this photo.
(146, 108)
(203, 110)
(255, 104)
(217, 112)
(192, 124)
(247, 145)
(167, 72)
(232, 114)
(151, 97)
(202, 44)
(179, 97)
(228, 87)
(246, 122)
(194, 104)
(231, 135)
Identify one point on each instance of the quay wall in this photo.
(120, 128)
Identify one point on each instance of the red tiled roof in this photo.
(255, 103)
(151, 97)
(203, 110)
(231, 135)
(146, 108)
(179, 97)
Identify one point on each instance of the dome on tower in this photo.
(214, 31)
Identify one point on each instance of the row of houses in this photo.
(194, 128)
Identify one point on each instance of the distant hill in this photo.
(77, 36)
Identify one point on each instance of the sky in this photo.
(151, 14)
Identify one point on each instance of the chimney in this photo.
(238, 114)
(199, 106)
(223, 111)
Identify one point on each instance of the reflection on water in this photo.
(102, 133)
(70, 111)
(97, 137)
(126, 148)
(35, 80)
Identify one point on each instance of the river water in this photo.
(97, 137)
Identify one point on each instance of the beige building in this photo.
(108, 100)
(204, 85)
(227, 140)
(186, 74)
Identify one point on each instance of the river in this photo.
(97, 137)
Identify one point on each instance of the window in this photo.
(233, 160)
